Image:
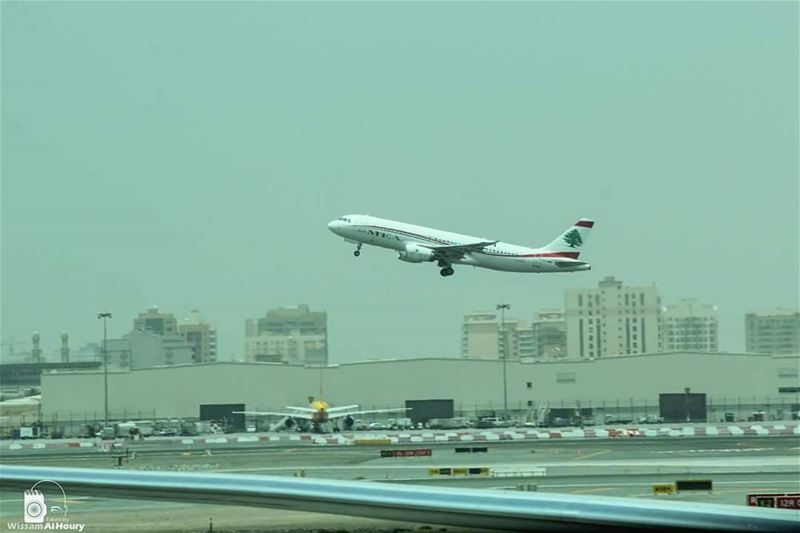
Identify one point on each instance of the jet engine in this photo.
(416, 253)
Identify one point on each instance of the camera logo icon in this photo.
(35, 508)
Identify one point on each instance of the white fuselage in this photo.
(364, 229)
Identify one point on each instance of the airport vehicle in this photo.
(27, 432)
(400, 423)
(492, 422)
(319, 412)
(448, 423)
(613, 419)
(419, 244)
(650, 419)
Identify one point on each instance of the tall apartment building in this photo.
(549, 334)
(193, 336)
(482, 336)
(612, 320)
(690, 325)
(775, 331)
(156, 322)
(144, 349)
(201, 335)
(294, 335)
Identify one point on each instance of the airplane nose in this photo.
(334, 225)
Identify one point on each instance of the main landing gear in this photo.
(358, 250)
(446, 269)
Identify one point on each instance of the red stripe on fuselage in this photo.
(568, 255)
(584, 223)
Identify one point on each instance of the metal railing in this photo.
(520, 511)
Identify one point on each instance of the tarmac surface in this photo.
(736, 465)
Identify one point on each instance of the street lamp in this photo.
(502, 308)
(105, 316)
(687, 391)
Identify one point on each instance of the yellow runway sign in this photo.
(663, 488)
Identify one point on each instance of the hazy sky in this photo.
(189, 155)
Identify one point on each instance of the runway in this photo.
(737, 466)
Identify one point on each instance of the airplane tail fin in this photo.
(570, 242)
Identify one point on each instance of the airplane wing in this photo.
(371, 411)
(341, 408)
(457, 251)
(302, 409)
(475, 508)
(306, 416)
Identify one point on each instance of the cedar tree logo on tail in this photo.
(573, 239)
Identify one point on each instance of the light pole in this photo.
(105, 316)
(687, 391)
(502, 308)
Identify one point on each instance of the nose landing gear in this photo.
(358, 250)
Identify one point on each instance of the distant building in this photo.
(156, 322)
(527, 343)
(774, 331)
(612, 320)
(482, 336)
(143, 349)
(548, 333)
(294, 335)
(91, 351)
(201, 335)
(690, 326)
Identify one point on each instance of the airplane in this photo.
(418, 244)
(319, 412)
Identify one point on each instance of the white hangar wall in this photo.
(177, 391)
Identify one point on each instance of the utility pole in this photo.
(687, 391)
(105, 316)
(502, 308)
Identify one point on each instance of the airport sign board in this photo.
(663, 488)
(693, 484)
(781, 500)
(425, 452)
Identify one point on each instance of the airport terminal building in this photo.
(677, 385)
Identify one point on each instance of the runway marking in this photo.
(585, 491)
(599, 452)
(725, 450)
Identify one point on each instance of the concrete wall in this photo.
(178, 391)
